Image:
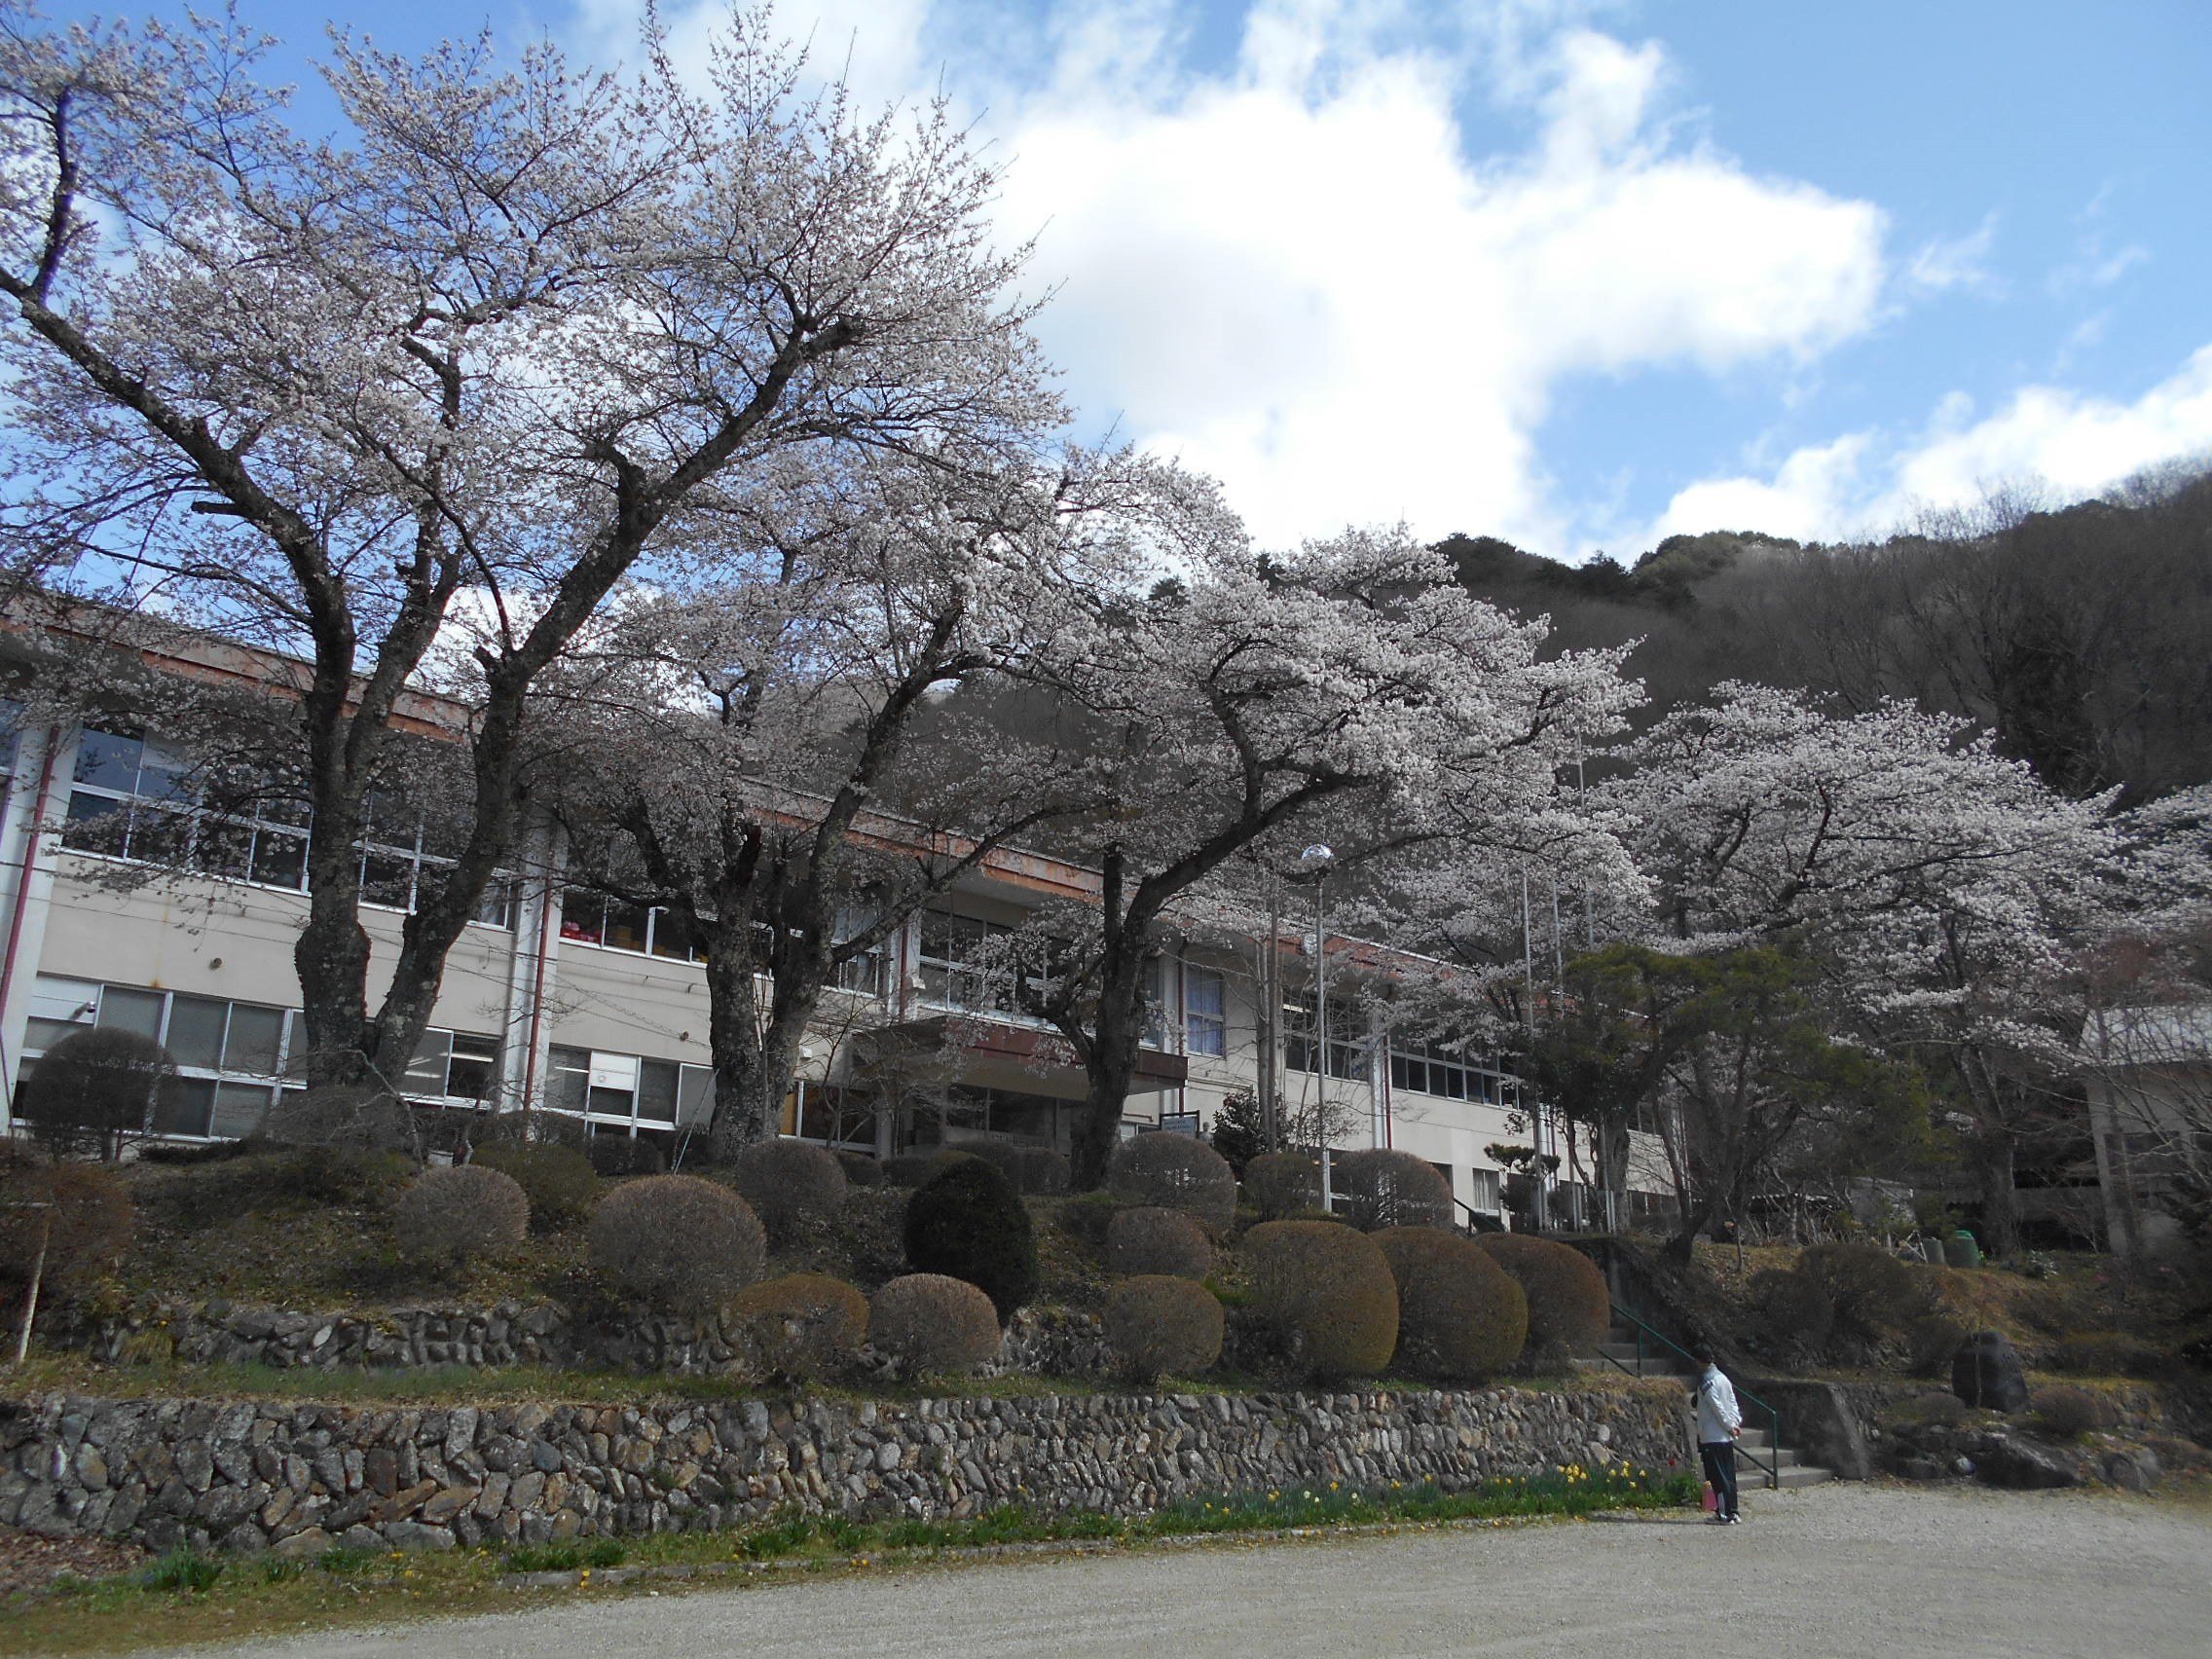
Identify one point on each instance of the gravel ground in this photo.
(1835, 1570)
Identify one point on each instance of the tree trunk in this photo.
(1999, 1199)
(741, 1106)
(1110, 1059)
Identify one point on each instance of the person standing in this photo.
(1719, 1421)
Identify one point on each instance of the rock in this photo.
(1961, 1465)
(302, 1545)
(401, 1504)
(2022, 1463)
(1985, 1371)
(414, 1535)
(2128, 1472)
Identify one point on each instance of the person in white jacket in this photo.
(1720, 1421)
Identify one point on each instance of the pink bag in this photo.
(1711, 1498)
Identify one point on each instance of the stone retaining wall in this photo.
(303, 1478)
(1048, 1341)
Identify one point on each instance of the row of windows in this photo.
(1430, 1070)
(133, 799)
(232, 1056)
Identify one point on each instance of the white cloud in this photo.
(2068, 444)
(1293, 271)
(1294, 275)
(1956, 262)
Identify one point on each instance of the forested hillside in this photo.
(2077, 636)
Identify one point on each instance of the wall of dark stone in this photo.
(300, 1479)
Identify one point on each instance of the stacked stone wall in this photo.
(300, 1479)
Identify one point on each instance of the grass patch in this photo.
(188, 1598)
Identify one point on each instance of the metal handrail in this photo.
(1771, 1465)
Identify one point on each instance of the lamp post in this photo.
(1318, 861)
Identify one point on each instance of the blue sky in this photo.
(1580, 275)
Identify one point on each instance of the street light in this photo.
(1317, 861)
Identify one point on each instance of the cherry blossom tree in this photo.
(1349, 692)
(1941, 887)
(477, 357)
(775, 761)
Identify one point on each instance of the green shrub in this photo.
(1283, 1183)
(1089, 1217)
(803, 1325)
(1160, 1325)
(1175, 1173)
(558, 1180)
(1151, 1242)
(452, 1214)
(678, 1243)
(789, 1183)
(932, 1324)
(1792, 1307)
(619, 1156)
(185, 1570)
(96, 1091)
(914, 1168)
(1382, 1187)
(1326, 1294)
(1569, 1308)
(87, 1224)
(862, 1168)
(1460, 1316)
(967, 1222)
(1931, 1341)
(1872, 1292)
(1943, 1410)
(1034, 1169)
(2067, 1412)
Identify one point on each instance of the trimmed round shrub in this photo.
(1382, 1186)
(862, 1168)
(932, 1323)
(451, 1214)
(558, 1181)
(2067, 1412)
(617, 1157)
(1792, 1309)
(789, 1183)
(86, 1226)
(95, 1090)
(1032, 1169)
(1460, 1316)
(2104, 1353)
(342, 1117)
(1160, 1325)
(1175, 1173)
(1944, 1410)
(1326, 1294)
(1089, 1217)
(803, 1325)
(914, 1168)
(967, 1222)
(678, 1242)
(1871, 1291)
(1569, 1308)
(1157, 1242)
(1283, 1184)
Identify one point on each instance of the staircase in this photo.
(1642, 1352)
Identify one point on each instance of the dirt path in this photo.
(1839, 1570)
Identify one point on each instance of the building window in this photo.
(628, 1093)
(613, 924)
(956, 966)
(1433, 1068)
(232, 1056)
(404, 857)
(1347, 1038)
(131, 797)
(1205, 1022)
(1483, 1183)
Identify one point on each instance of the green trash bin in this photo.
(1960, 1251)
